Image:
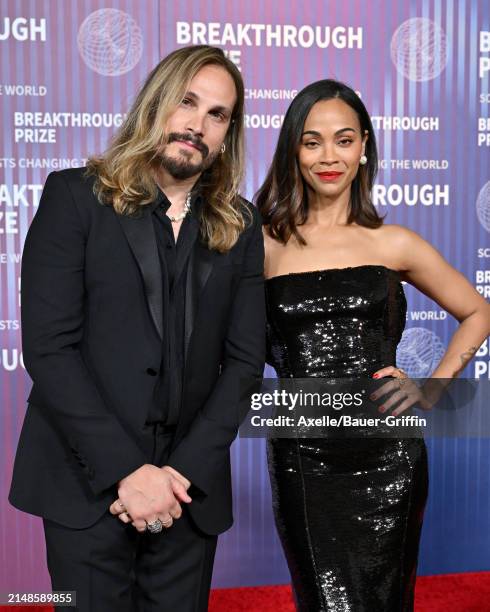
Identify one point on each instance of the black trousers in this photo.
(112, 567)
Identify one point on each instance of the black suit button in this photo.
(151, 372)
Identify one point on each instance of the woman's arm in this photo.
(425, 268)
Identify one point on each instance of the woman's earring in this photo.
(223, 148)
(363, 160)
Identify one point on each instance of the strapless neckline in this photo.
(336, 321)
(325, 270)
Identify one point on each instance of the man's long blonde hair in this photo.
(125, 172)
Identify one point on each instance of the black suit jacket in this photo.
(92, 341)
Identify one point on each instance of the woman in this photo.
(348, 512)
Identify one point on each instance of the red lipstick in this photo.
(328, 177)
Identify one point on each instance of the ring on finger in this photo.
(155, 526)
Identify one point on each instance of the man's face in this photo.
(197, 128)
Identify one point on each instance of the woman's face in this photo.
(330, 148)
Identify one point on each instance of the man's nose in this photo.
(195, 124)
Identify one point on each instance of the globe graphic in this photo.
(483, 206)
(419, 351)
(419, 49)
(110, 42)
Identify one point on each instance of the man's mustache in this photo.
(195, 140)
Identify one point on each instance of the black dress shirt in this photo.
(174, 258)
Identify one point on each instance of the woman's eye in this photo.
(311, 144)
(345, 141)
(186, 102)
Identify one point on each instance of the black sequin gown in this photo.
(348, 512)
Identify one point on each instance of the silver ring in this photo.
(155, 526)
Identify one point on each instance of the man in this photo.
(142, 309)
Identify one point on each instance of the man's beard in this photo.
(182, 168)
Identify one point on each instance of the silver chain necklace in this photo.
(185, 212)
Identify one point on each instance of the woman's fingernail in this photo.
(375, 375)
(373, 396)
(381, 409)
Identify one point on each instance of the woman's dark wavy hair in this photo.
(283, 198)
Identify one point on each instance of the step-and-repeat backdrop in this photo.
(69, 71)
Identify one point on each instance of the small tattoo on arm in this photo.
(467, 355)
(465, 358)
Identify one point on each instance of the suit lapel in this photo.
(140, 235)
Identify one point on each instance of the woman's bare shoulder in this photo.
(398, 235)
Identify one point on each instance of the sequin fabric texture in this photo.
(348, 511)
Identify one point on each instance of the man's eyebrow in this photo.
(191, 94)
(220, 108)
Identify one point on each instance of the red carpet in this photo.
(449, 593)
